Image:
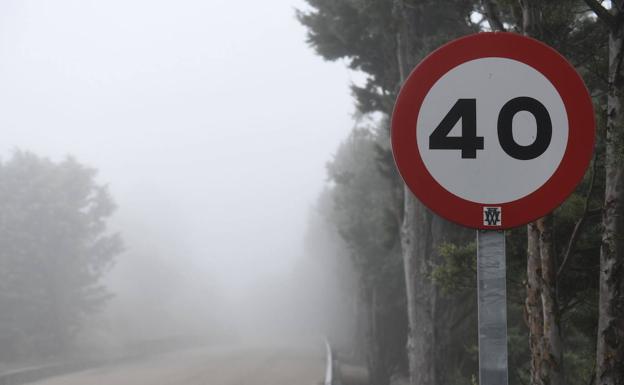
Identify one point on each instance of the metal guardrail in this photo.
(329, 365)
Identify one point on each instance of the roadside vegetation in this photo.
(415, 272)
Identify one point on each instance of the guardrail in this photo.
(329, 364)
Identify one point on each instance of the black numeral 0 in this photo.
(469, 142)
(505, 128)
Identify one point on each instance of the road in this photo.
(227, 365)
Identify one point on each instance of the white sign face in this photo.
(492, 130)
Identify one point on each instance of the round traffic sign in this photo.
(493, 130)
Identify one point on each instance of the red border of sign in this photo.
(544, 59)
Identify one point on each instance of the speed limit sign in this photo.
(493, 130)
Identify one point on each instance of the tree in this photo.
(364, 213)
(424, 26)
(53, 251)
(385, 39)
(564, 247)
(610, 347)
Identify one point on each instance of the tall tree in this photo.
(365, 218)
(421, 28)
(386, 39)
(53, 251)
(610, 346)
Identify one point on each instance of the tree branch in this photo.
(563, 310)
(579, 224)
(602, 13)
(492, 15)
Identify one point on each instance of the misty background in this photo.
(211, 123)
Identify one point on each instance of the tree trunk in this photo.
(417, 249)
(610, 346)
(551, 354)
(421, 233)
(491, 13)
(533, 308)
(610, 338)
(376, 362)
(542, 309)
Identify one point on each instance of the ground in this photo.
(266, 364)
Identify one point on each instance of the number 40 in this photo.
(469, 142)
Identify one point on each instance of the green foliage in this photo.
(364, 32)
(368, 195)
(364, 213)
(367, 215)
(459, 270)
(53, 251)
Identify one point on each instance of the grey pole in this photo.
(492, 297)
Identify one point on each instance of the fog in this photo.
(211, 123)
(205, 192)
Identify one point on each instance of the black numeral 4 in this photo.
(466, 111)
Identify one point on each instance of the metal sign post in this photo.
(492, 304)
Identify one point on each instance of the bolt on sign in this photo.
(492, 131)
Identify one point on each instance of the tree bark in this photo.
(417, 248)
(610, 338)
(533, 308)
(542, 308)
(552, 351)
(378, 373)
(610, 344)
(491, 13)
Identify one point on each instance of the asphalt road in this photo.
(301, 364)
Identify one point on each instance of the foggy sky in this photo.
(210, 120)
